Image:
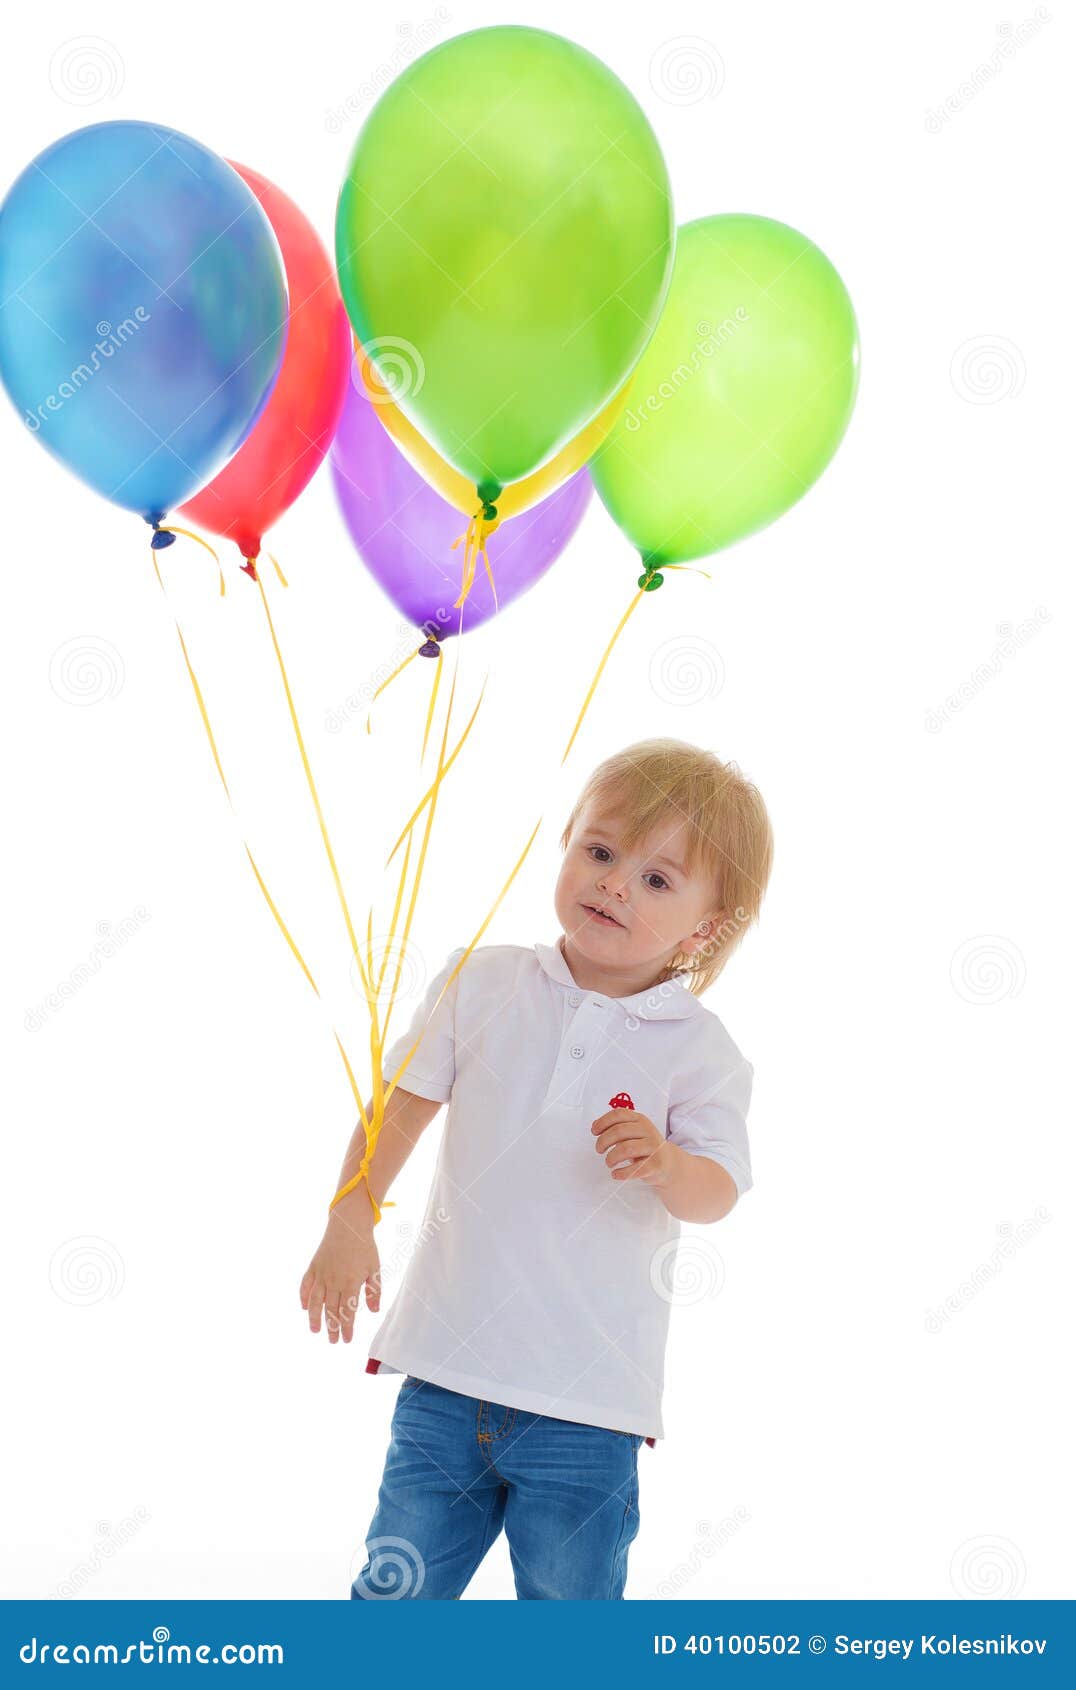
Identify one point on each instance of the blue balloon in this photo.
(143, 310)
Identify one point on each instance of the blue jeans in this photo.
(459, 1468)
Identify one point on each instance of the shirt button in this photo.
(575, 1000)
(577, 1050)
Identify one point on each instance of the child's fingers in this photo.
(348, 1306)
(373, 1290)
(305, 1287)
(315, 1304)
(617, 1117)
(630, 1150)
(332, 1315)
(622, 1131)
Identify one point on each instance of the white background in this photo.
(874, 1402)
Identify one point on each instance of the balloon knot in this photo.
(161, 538)
(651, 578)
(249, 566)
(431, 648)
(489, 512)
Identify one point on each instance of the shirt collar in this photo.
(670, 1000)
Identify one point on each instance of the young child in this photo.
(594, 1104)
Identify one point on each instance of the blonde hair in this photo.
(662, 782)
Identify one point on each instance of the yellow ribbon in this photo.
(278, 918)
(473, 540)
(617, 631)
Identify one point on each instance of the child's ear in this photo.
(704, 933)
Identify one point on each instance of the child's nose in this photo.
(614, 888)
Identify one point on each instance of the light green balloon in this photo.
(742, 395)
(504, 242)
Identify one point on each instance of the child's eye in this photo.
(598, 848)
(659, 877)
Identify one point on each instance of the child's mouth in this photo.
(598, 916)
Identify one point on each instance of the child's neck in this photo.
(589, 978)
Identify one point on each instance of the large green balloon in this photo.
(504, 239)
(742, 396)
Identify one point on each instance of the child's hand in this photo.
(623, 1135)
(345, 1260)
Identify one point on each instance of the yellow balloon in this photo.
(518, 495)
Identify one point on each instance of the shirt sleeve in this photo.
(432, 1069)
(713, 1123)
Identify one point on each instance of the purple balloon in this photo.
(403, 529)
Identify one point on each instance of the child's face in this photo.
(657, 908)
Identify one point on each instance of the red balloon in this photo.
(296, 428)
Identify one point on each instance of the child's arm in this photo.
(347, 1258)
(695, 1188)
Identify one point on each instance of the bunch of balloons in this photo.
(512, 316)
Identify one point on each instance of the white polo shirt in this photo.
(539, 1281)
